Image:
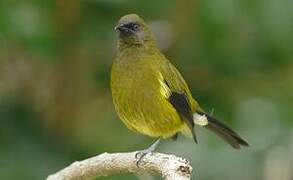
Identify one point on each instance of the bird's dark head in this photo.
(132, 30)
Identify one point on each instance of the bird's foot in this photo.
(141, 154)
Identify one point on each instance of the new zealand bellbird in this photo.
(150, 95)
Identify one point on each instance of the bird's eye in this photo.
(135, 27)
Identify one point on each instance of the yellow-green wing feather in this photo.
(176, 83)
(180, 96)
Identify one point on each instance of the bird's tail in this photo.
(222, 130)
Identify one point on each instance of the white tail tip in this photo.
(200, 120)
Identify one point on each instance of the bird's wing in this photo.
(179, 95)
(181, 99)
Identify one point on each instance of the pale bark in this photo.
(169, 167)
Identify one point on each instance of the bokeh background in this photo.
(55, 100)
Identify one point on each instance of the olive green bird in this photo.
(150, 95)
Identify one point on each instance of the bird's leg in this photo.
(139, 155)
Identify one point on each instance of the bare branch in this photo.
(169, 167)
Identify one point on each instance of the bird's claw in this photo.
(140, 155)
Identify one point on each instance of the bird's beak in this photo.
(122, 28)
(116, 28)
(119, 27)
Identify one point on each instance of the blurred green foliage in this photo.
(55, 101)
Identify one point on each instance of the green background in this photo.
(55, 100)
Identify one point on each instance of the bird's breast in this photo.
(138, 99)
